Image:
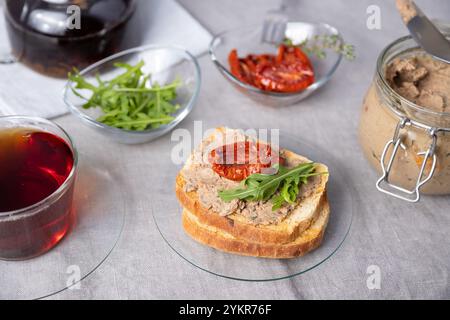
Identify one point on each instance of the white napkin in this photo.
(24, 92)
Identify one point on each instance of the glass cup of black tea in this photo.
(38, 165)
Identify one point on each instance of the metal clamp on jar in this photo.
(408, 143)
(395, 143)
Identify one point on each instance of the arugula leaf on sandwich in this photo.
(282, 187)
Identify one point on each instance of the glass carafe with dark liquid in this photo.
(54, 36)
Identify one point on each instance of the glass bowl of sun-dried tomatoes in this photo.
(278, 74)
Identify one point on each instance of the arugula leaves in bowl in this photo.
(131, 100)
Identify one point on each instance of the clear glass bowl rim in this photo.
(162, 129)
(34, 208)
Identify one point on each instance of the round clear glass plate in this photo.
(100, 212)
(167, 216)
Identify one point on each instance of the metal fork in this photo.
(274, 25)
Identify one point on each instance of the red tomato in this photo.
(239, 68)
(289, 71)
(292, 72)
(239, 160)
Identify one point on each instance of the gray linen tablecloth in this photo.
(408, 243)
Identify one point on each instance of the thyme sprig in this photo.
(319, 44)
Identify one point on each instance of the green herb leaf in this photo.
(282, 187)
(318, 44)
(129, 101)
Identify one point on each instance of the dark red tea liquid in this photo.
(33, 165)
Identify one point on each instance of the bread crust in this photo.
(241, 230)
(285, 232)
(306, 242)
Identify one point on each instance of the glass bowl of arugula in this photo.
(137, 95)
(322, 43)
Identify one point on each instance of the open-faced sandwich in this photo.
(244, 196)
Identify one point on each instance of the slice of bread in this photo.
(239, 226)
(214, 237)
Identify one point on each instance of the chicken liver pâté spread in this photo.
(425, 81)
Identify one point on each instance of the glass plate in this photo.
(100, 211)
(167, 216)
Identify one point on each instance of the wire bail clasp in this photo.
(396, 142)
